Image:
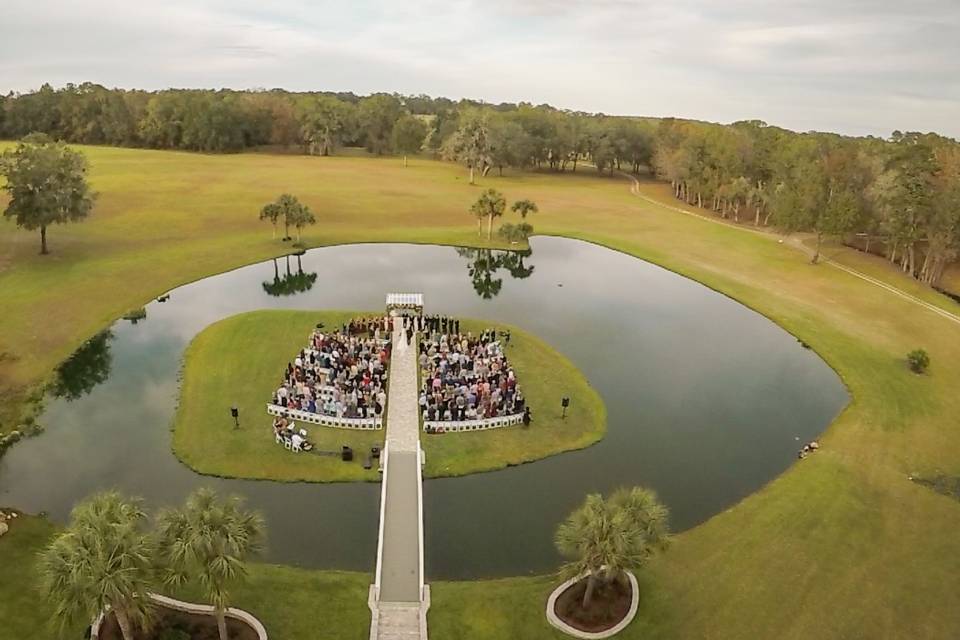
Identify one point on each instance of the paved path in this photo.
(398, 607)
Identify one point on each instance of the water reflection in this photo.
(86, 368)
(706, 402)
(513, 263)
(483, 265)
(291, 283)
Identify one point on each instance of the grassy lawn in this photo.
(24, 611)
(545, 377)
(294, 604)
(163, 219)
(239, 361)
(842, 545)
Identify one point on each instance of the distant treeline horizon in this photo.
(898, 196)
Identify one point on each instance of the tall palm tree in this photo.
(208, 541)
(271, 212)
(604, 538)
(301, 217)
(103, 559)
(490, 205)
(289, 209)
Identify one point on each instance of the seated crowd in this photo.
(289, 435)
(342, 373)
(466, 377)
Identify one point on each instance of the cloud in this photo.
(858, 66)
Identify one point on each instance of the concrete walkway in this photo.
(399, 599)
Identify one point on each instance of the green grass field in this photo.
(292, 603)
(842, 545)
(239, 360)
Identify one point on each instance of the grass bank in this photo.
(239, 361)
(293, 604)
(842, 545)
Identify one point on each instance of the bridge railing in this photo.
(385, 461)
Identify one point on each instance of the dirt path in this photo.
(798, 244)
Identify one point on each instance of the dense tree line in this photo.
(899, 196)
(322, 122)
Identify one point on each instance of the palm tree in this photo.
(604, 538)
(524, 207)
(302, 216)
(291, 210)
(489, 205)
(103, 560)
(208, 541)
(271, 212)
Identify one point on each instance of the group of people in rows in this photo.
(465, 377)
(341, 373)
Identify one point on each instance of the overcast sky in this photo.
(853, 66)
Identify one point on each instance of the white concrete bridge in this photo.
(398, 598)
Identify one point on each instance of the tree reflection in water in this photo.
(483, 266)
(85, 369)
(290, 283)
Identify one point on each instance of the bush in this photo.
(919, 360)
(135, 315)
(515, 232)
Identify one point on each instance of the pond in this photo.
(707, 401)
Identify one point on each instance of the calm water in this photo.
(706, 400)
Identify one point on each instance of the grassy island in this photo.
(545, 376)
(238, 362)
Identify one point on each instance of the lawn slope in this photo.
(842, 545)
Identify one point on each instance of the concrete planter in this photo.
(557, 623)
(189, 607)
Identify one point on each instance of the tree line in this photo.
(321, 123)
(899, 197)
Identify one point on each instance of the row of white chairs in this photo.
(289, 444)
(474, 425)
(325, 420)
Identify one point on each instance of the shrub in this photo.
(515, 232)
(135, 315)
(919, 360)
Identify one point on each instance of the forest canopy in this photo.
(899, 196)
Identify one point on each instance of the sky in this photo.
(859, 67)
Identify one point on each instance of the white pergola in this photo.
(405, 302)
